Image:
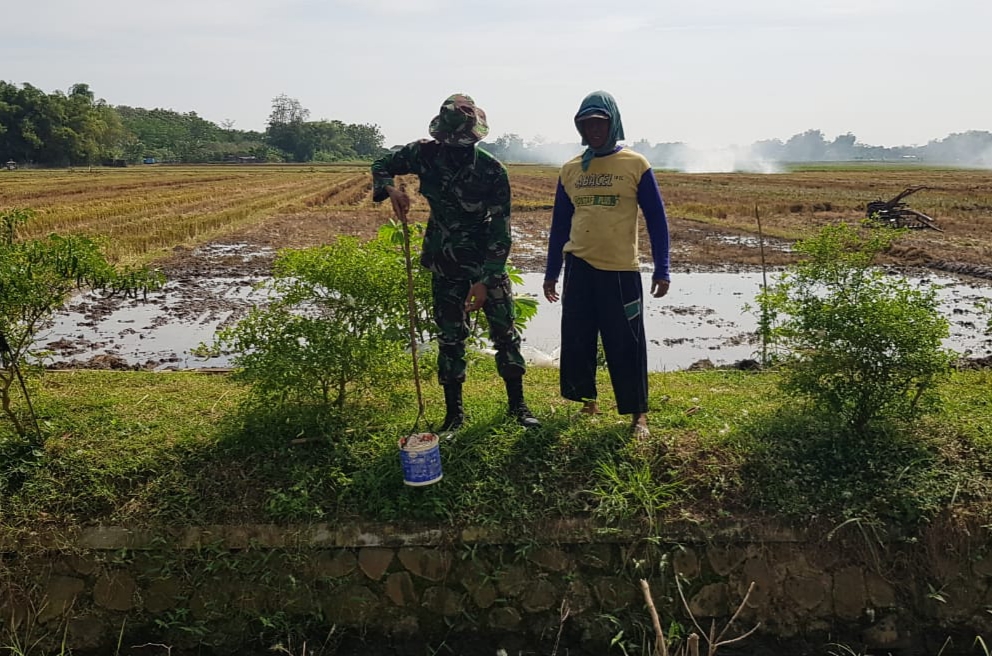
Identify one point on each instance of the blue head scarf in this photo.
(600, 102)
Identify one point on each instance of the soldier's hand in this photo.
(551, 290)
(476, 297)
(400, 201)
(659, 288)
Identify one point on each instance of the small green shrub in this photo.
(524, 306)
(37, 277)
(860, 345)
(985, 308)
(339, 322)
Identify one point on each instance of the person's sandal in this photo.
(644, 443)
(639, 428)
(590, 408)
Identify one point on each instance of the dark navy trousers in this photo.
(608, 305)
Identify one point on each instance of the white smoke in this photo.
(679, 157)
(720, 160)
(968, 149)
(984, 160)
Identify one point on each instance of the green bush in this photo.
(37, 277)
(859, 344)
(339, 322)
(524, 306)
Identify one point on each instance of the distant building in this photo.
(11, 165)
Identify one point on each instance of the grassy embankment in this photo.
(177, 448)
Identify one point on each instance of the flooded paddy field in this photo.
(708, 317)
(214, 232)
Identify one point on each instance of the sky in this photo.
(710, 73)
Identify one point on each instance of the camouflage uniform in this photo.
(468, 232)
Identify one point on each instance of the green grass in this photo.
(174, 448)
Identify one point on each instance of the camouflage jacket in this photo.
(468, 190)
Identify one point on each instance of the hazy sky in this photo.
(707, 72)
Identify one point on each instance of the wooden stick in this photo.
(412, 306)
(764, 289)
(659, 646)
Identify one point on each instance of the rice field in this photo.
(143, 213)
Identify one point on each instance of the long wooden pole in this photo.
(412, 306)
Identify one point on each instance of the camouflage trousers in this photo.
(453, 328)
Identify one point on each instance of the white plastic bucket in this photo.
(420, 458)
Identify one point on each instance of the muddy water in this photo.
(163, 332)
(702, 318)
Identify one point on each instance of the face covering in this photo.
(600, 103)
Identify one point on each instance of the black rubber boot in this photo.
(454, 416)
(518, 407)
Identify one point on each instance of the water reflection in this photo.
(702, 317)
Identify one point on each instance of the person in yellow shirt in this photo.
(594, 233)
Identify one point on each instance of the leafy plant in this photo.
(339, 323)
(985, 309)
(859, 344)
(626, 490)
(524, 307)
(37, 277)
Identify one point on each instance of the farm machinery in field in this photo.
(895, 214)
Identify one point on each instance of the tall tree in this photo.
(810, 146)
(288, 131)
(58, 128)
(287, 110)
(366, 139)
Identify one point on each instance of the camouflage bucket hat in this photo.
(460, 122)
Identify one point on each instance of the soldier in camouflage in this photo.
(465, 246)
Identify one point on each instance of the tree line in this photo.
(75, 128)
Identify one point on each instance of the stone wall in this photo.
(228, 585)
